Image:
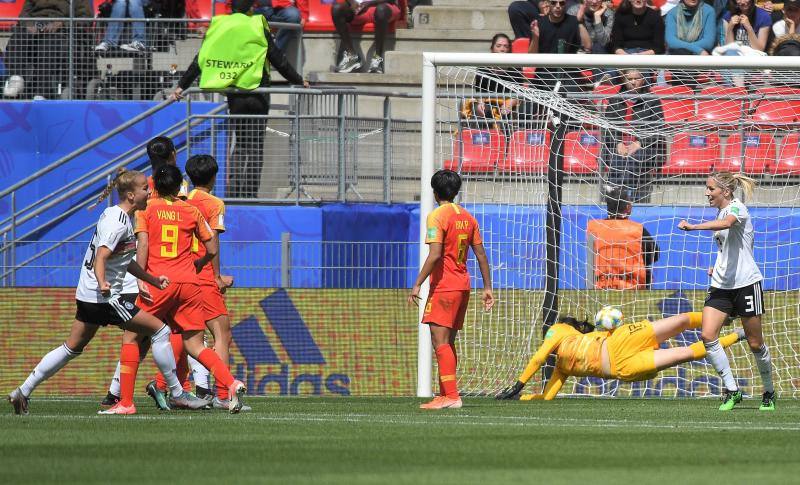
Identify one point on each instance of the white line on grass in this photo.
(439, 419)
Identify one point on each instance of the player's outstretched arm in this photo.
(715, 225)
(486, 274)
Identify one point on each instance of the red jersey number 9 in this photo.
(461, 258)
(169, 241)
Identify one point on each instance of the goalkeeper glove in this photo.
(511, 392)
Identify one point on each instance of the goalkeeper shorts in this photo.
(631, 350)
(446, 308)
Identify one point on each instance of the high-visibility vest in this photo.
(233, 52)
(619, 262)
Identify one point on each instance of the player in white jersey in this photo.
(735, 284)
(98, 297)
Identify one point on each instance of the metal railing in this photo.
(82, 58)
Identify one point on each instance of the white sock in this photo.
(719, 359)
(199, 373)
(49, 365)
(165, 360)
(764, 362)
(114, 387)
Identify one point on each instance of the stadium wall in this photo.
(374, 246)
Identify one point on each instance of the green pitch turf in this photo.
(390, 441)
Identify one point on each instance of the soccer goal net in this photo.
(544, 143)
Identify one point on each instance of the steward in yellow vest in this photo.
(237, 52)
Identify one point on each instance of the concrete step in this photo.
(478, 18)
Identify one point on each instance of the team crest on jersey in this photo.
(735, 210)
(128, 305)
(431, 232)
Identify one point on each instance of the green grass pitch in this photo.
(374, 440)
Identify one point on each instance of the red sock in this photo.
(447, 370)
(128, 366)
(181, 365)
(442, 392)
(212, 362)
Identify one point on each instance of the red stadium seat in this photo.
(727, 104)
(606, 91)
(319, 17)
(581, 151)
(10, 9)
(759, 153)
(481, 151)
(692, 153)
(774, 112)
(520, 46)
(676, 109)
(529, 152)
(789, 159)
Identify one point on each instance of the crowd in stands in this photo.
(640, 27)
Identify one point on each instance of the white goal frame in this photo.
(432, 60)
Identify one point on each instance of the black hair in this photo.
(241, 6)
(734, 9)
(618, 202)
(446, 184)
(167, 180)
(159, 151)
(201, 169)
(499, 36)
(786, 45)
(583, 326)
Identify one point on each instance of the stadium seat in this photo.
(606, 91)
(10, 9)
(481, 151)
(529, 152)
(789, 159)
(692, 153)
(520, 46)
(759, 153)
(581, 151)
(727, 104)
(319, 17)
(675, 109)
(776, 106)
(771, 112)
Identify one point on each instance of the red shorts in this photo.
(368, 15)
(213, 301)
(447, 309)
(180, 304)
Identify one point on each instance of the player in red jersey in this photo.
(161, 151)
(451, 231)
(165, 231)
(202, 170)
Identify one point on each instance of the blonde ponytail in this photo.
(122, 182)
(732, 181)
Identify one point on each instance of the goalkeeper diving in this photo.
(629, 352)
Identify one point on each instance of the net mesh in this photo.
(651, 136)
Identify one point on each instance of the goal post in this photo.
(539, 158)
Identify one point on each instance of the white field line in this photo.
(439, 419)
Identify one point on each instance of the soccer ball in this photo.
(608, 318)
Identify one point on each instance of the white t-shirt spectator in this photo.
(779, 28)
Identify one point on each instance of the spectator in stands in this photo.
(522, 12)
(786, 45)
(638, 29)
(122, 9)
(633, 160)
(228, 62)
(359, 12)
(496, 108)
(558, 33)
(598, 20)
(623, 250)
(790, 24)
(37, 55)
(691, 28)
(286, 11)
(746, 25)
